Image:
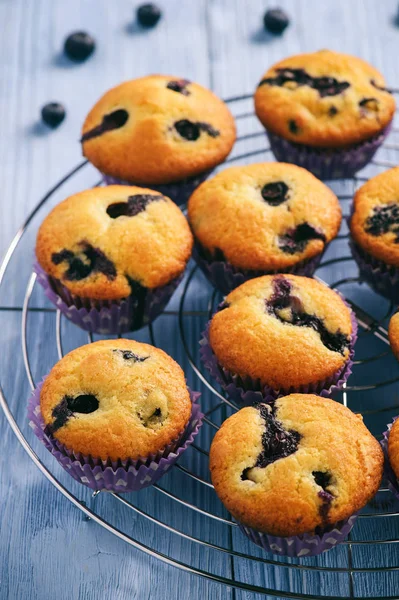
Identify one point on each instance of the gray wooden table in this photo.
(47, 550)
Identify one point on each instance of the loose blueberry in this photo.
(282, 299)
(188, 130)
(114, 120)
(276, 20)
(134, 205)
(53, 114)
(277, 442)
(275, 193)
(385, 218)
(81, 265)
(79, 45)
(148, 15)
(179, 86)
(84, 403)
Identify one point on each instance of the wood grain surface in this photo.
(47, 549)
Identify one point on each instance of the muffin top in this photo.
(304, 463)
(393, 333)
(393, 447)
(102, 241)
(375, 220)
(325, 99)
(283, 330)
(157, 129)
(264, 216)
(115, 399)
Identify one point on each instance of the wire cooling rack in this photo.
(189, 527)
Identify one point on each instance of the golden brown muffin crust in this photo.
(393, 447)
(324, 112)
(256, 336)
(150, 247)
(148, 148)
(229, 213)
(375, 221)
(143, 400)
(332, 471)
(393, 333)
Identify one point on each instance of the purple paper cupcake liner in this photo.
(107, 317)
(303, 545)
(225, 277)
(246, 391)
(393, 481)
(179, 192)
(121, 475)
(331, 163)
(383, 278)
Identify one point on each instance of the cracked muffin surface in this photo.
(102, 242)
(116, 399)
(324, 99)
(304, 463)
(264, 216)
(158, 129)
(282, 330)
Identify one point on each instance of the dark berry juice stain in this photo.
(277, 442)
(275, 193)
(191, 131)
(84, 404)
(114, 120)
(154, 419)
(323, 480)
(130, 356)
(282, 299)
(296, 240)
(326, 86)
(81, 265)
(293, 127)
(379, 87)
(179, 86)
(134, 205)
(332, 111)
(385, 218)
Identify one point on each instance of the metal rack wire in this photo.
(235, 548)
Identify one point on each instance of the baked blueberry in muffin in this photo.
(113, 246)
(303, 465)
(261, 218)
(279, 334)
(374, 229)
(326, 111)
(158, 131)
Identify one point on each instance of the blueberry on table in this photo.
(276, 20)
(148, 15)
(53, 114)
(79, 45)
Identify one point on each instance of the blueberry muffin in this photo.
(116, 399)
(393, 333)
(279, 334)
(261, 218)
(302, 466)
(158, 131)
(116, 414)
(326, 111)
(111, 248)
(374, 227)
